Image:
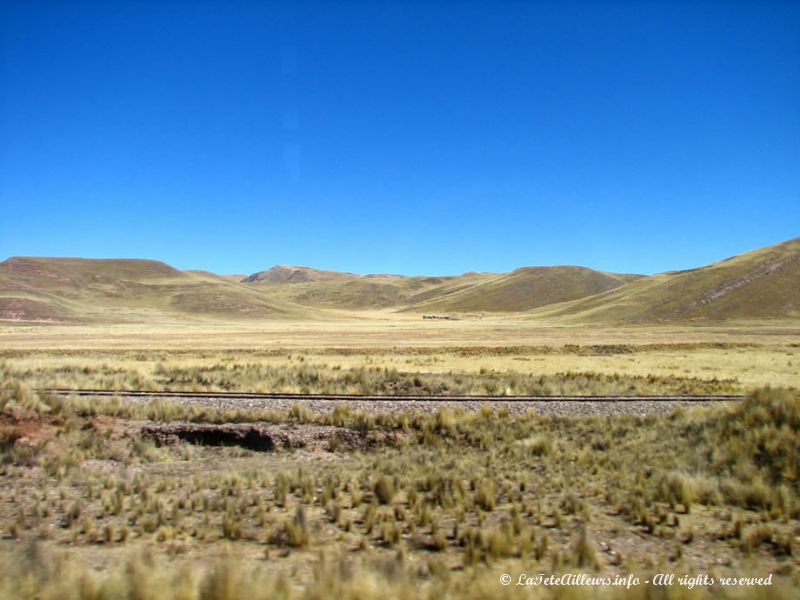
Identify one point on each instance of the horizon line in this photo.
(384, 274)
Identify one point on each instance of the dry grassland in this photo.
(103, 499)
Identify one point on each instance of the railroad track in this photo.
(385, 398)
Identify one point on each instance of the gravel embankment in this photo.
(543, 407)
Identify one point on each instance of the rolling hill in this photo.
(763, 283)
(110, 290)
(520, 290)
(523, 289)
(292, 274)
(331, 289)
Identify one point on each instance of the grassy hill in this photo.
(357, 292)
(763, 283)
(292, 274)
(76, 289)
(522, 289)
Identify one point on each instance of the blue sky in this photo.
(407, 137)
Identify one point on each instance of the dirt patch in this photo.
(262, 437)
(250, 437)
(21, 431)
(25, 309)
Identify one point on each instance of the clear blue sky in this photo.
(399, 136)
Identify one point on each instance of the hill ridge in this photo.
(761, 283)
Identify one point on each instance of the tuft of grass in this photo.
(295, 533)
(584, 554)
(384, 489)
(485, 495)
(676, 489)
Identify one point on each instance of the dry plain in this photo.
(202, 498)
(103, 498)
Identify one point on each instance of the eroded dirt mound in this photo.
(264, 437)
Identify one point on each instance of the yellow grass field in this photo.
(103, 499)
(749, 355)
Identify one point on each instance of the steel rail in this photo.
(171, 394)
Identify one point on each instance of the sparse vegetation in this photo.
(86, 290)
(422, 503)
(418, 374)
(474, 490)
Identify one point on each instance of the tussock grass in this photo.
(323, 378)
(34, 573)
(464, 496)
(614, 368)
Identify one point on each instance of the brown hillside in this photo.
(523, 289)
(290, 274)
(763, 283)
(77, 290)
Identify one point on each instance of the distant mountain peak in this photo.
(294, 274)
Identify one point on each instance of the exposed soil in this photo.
(262, 437)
